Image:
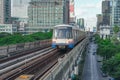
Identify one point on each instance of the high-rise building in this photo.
(44, 14)
(5, 11)
(20, 2)
(80, 23)
(106, 12)
(20, 8)
(115, 13)
(99, 21)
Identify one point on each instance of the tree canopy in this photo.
(116, 29)
(111, 55)
(7, 39)
(112, 66)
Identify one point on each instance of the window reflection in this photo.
(63, 33)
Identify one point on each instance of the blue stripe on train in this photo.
(53, 45)
(71, 46)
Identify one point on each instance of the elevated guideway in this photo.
(67, 66)
(10, 52)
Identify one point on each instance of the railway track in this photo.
(42, 68)
(21, 58)
(36, 64)
(21, 53)
(28, 59)
(36, 67)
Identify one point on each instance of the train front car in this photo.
(62, 37)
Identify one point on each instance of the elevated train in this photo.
(66, 36)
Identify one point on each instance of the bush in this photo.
(18, 38)
(3, 34)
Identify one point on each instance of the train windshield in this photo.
(63, 33)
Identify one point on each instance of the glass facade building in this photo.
(115, 12)
(5, 11)
(44, 14)
(99, 21)
(80, 22)
(106, 12)
(8, 28)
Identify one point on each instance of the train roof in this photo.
(66, 25)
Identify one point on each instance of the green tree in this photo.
(114, 38)
(4, 34)
(19, 38)
(111, 54)
(112, 66)
(116, 29)
(107, 51)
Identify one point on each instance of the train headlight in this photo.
(54, 41)
(70, 41)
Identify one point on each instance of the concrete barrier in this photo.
(12, 48)
(3, 50)
(67, 66)
(6, 50)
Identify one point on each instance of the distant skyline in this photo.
(86, 9)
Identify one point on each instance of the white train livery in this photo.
(66, 36)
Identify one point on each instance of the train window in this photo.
(62, 33)
(69, 34)
(73, 34)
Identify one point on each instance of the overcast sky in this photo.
(86, 9)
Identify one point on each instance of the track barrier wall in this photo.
(6, 50)
(68, 66)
